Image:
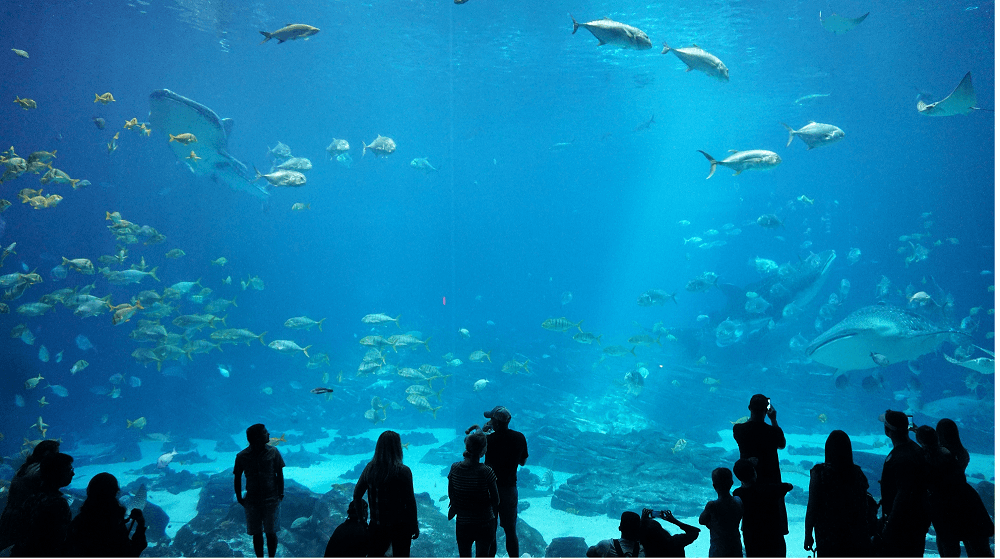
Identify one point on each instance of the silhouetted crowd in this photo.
(923, 484)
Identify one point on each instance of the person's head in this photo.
(758, 405)
(722, 479)
(389, 448)
(947, 432)
(475, 443)
(103, 486)
(56, 470)
(257, 435)
(499, 417)
(926, 436)
(358, 511)
(896, 424)
(41, 450)
(838, 449)
(745, 471)
(630, 525)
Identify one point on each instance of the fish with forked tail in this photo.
(698, 59)
(740, 161)
(290, 32)
(610, 32)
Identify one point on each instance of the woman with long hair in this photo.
(389, 485)
(838, 503)
(474, 498)
(972, 523)
(101, 528)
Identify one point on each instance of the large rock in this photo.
(572, 546)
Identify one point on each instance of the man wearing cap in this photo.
(904, 491)
(506, 449)
(759, 442)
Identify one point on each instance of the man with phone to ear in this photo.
(759, 442)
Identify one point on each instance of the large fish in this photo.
(610, 32)
(170, 113)
(838, 25)
(794, 284)
(740, 161)
(961, 101)
(815, 134)
(698, 59)
(893, 332)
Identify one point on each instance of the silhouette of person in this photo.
(905, 520)
(389, 485)
(765, 522)
(350, 539)
(627, 545)
(472, 490)
(27, 481)
(262, 464)
(973, 524)
(838, 503)
(101, 528)
(506, 449)
(722, 517)
(47, 517)
(761, 441)
(658, 542)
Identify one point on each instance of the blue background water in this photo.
(509, 222)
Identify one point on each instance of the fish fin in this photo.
(261, 338)
(320, 324)
(737, 173)
(711, 160)
(575, 24)
(688, 69)
(791, 134)
(281, 41)
(267, 37)
(153, 273)
(600, 42)
(666, 48)
(306, 348)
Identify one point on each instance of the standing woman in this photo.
(472, 490)
(838, 503)
(975, 527)
(389, 485)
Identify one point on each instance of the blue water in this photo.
(512, 219)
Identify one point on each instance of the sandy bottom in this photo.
(550, 522)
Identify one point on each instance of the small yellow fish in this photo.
(299, 206)
(275, 441)
(710, 381)
(805, 200)
(129, 124)
(679, 446)
(26, 103)
(42, 402)
(104, 99)
(185, 138)
(220, 261)
(20, 53)
(702, 360)
(193, 156)
(743, 419)
(138, 423)
(821, 417)
(145, 129)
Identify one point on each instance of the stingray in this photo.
(170, 113)
(896, 333)
(839, 25)
(962, 101)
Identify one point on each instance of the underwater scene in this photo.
(619, 220)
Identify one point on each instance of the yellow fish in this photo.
(129, 124)
(26, 103)
(193, 156)
(743, 419)
(821, 417)
(679, 446)
(805, 200)
(185, 138)
(104, 99)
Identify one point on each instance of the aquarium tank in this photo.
(619, 220)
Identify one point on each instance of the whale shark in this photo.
(170, 113)
(893, 332)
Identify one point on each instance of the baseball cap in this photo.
(498, 413)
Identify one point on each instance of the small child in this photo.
(262, 465)
(722, 517)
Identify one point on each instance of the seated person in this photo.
(350, 539)
(626, 546)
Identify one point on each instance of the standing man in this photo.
(262, 464)
(905, 520)
(759, 443)
(505, 451)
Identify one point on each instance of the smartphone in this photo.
(768, 404)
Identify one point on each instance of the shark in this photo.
(893, 332)
(170, 113)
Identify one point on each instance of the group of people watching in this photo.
(38, 522)
(923, 483)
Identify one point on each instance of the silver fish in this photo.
(610, 32)
(815, 134)
(698, 59)
(740, 161)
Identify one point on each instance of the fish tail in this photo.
(255, 179)
(632, 351)
(267, 37)
(153, 273)
(396, 320)
(261, 338)
(791, 134)
(575, 24)
(426, 344)
(304, 350)
(434, 412)
(711, 160)
(666, 48)
(320, 325)
(658, 341)
(363, 148)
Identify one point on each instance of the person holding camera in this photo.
(101, 528)
(506, 449)
(658, 542)
(759, 443)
